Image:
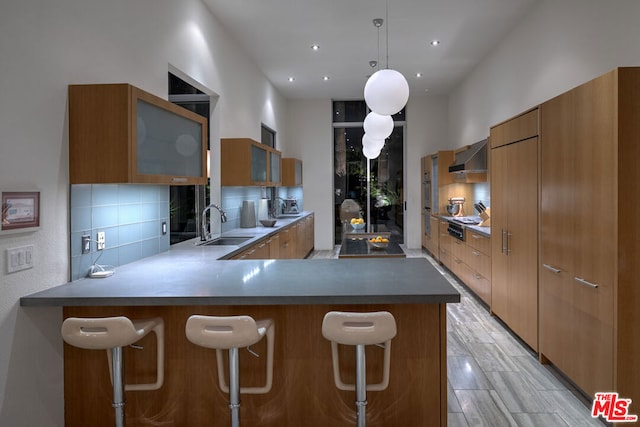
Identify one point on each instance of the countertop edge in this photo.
(257, 300)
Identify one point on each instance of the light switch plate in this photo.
(20, 258)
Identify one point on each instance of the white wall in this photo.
(311, 140)
(559, 45)
(45, 46)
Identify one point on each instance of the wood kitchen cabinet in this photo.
(514, 231)
(519, 128)
(433, 242)
(274, 246)
(291, 172)
(121, 134)
(589, 251)
(295, 241)
(475, 265)
(245, 162)
(445, 245)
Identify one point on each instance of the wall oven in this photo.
(426, 190)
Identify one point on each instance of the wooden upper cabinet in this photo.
(121, 134)
(245, 162)
(515, 129)
(291, 172)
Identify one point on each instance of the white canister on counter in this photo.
(263, 209)
(248, 214)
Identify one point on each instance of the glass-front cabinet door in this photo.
(121, 134)
(167, 144)
(245, 162)
(258, 164)
(274, 168)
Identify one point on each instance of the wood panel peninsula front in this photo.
(295, 294)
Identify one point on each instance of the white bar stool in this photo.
(360, 329)
(231, 333)
(111, 334)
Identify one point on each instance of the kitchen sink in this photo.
(288, 215)
(226, 241)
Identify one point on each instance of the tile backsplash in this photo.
(232, 198)
(130, 215)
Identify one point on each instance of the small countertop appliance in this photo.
(290, 206)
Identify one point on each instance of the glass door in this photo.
(384, 205)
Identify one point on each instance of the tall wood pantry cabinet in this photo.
(590, 233)
(514, 221)
(121, 134)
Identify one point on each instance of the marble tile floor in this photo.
(494, 379)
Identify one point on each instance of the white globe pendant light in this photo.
(373, 144)
(370, 153)
(378, 126)
(386, 92)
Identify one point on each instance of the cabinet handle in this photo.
(551, 269)
(457, 261)
(174, 179)
(475, 236)
(477, 276)
(586, 282)
(502, 234)
(508, 250)
(475, 253)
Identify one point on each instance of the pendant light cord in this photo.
(378, 61)
(387, 28)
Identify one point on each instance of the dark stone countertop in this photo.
(191, 277)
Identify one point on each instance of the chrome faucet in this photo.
(206, 235)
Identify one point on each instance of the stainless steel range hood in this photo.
(471, 160)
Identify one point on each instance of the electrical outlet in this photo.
(101, 240)
(164, 227)
(86, 244)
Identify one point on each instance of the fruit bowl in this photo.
(358, 226)
(268, 222)
(377, 245)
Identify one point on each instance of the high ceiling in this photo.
(278, 35)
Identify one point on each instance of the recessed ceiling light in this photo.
(434, 42)
(325, 78)
(418, 74)
(291, 79)
(315, 47)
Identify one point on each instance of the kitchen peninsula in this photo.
(188, 279)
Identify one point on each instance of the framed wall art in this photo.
(20, 211)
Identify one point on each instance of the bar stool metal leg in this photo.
(118, 385)
(234, 387)
(360, 330)
(232, 333)
(361, 386)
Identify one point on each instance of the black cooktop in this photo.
(467, 220)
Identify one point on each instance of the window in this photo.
(385, 203)
(186, 202)
(268, 136)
